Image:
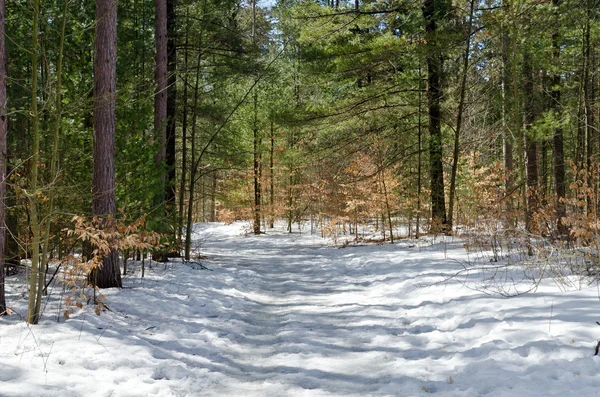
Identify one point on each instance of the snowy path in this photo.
(285, 315)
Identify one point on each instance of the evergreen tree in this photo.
(3, 130)
(105, 73)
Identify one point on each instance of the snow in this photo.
(291, 315)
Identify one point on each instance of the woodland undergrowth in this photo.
(102, 236)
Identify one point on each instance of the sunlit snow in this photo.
(292, 315)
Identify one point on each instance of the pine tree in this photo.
(433, 13)
(3, 128)
(103, 181)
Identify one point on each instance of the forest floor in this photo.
(291, 315)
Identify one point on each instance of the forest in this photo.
(126, 125)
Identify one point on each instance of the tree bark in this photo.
(160, 78)
(213, 196)
(35, 274)
(3, 129)
(272, 178)
(103, 179)
(12, 253)
(256, 166)
(193, 168)
(256, 143)
(431, 13)
(35, 293)
(419, 154)
(507, 136)
(171, 102)
(184, 139)
(588, 99)
(558, 152)
(459, 118)
(531, 155)
(55, 149)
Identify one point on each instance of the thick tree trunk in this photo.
(431, 11)
(3, 128)
(103, 180)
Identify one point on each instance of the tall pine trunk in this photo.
(431, 13)
(160, 78)
(171, 104)
(103, 179)
(3, 128)
(558, 153)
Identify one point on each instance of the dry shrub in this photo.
(103, 235)
(583, 217)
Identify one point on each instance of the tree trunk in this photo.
(3, 125)
(103, 180)
(193, 167)
(256, 142)
(171, 103)
(558, 153)
(588, 101)
(34, 291)
(160, 78)
(184, 138)
(387, 207)
(580, 148)
(531, 155)
(431, 11)
(272, 178)
(12, 252)
(459, 118)
(507, 136)
(213, 196)
(256, 166)
(419, 148)
(55, 149)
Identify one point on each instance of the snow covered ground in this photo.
(289, 315)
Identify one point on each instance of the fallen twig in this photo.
(200, 265)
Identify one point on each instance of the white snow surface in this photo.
(291, 315)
